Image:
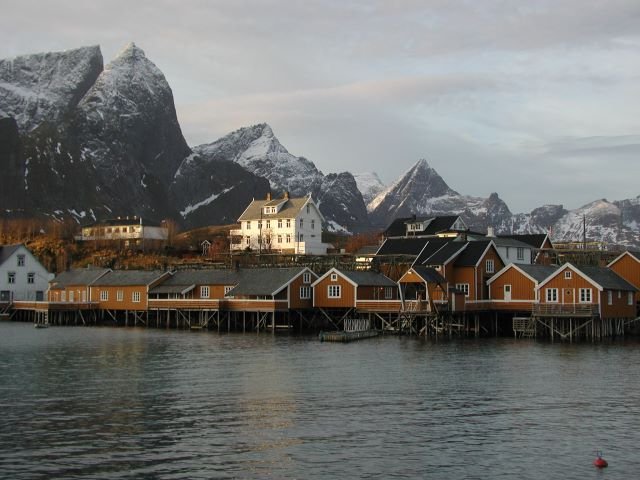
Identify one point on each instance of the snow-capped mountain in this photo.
(258, 150)
(422, 191)
(369, 185)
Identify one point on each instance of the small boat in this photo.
(41, 325)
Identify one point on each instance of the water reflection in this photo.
(136, 403)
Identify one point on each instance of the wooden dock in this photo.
(347, 336)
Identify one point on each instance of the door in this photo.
(507, 293)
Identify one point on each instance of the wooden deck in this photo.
(565, 310)
(53, 306)
(184, 303)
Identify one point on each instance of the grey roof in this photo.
(79, 276)
(180, 289)
(133, 220)
(535, 240)
(538, 272)
(606, 278)
(263, 281)
(368, 278)
(289, 210)
(471, 255)
(398, 228)
(402, 246)
(441, 255)
(429, 274)
(367, 250)
(508, 242)
(203, 277)
(129, 277)
(7, 250)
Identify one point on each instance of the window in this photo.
(288, 223)
(280, 223)
(551, 295)
(630, 298)
(334, 291)
(334, 277)
(104, 295)
(279, 238)
(268, 223)
(71, 295)
(388, 293)
(259, 224)
(21, 260)
(11, 277)
(585, 295)
(305, 293)
(204, 291)
(520, 253)
(489, 266)
(619, 293)
(306, 277)
(288, 238)
(248, 225)
(247, 240)
(313, 224)
(301, 222)
(463, 287)
(308, 208)
(63, 296)
(301, 239)
(119, 296)
(135, 297)
(610, 297)
(567, 274)
(31, 277)
(228, 288)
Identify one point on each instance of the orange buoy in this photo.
(600, 462)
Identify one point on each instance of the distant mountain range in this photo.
(83, 140)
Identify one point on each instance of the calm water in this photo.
(135, 403)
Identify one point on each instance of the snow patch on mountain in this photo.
(369, 185)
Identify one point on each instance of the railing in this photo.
(58, 306)
(565, 310)
(185, 303)
(250, 305)
(382, 306)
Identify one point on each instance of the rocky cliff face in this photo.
(422, 191)
(258, 150)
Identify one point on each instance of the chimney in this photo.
(268, 196)
(286, 195)
(490, 232)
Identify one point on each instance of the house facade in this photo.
(287, 225)
(131, 231)
(627, 265)
(22, 276)
(514, 288)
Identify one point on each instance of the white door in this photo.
(507, 293)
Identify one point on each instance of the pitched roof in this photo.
(429, 274)
(109, 222)
(264, 281)
(183, 281)
(402, 246)
(78, 276)
(538, 272)
(535, 240)
(129, 277)
(606, 278)
(368, 278)
(438, 253)
(290, 209)
(508, 242)
(7, 250)
(398, 228)
(634, 254)
(472, 254)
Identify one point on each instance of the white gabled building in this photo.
(22, 276)
(288, 225)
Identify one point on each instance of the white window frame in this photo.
(288, 223)
(585, 295)
(489, 266)
(71, 296)
(104, 295)
(388, 293)
(63, 296)
(551, 295)
(463, 287)
(305, 292)
(120, 296)
(334, 277)
(334, 291)
(21, 260)
(567, 275)
(520, 253)
(279, 223)
(204, 291)
(610, 297)
(227, 288)
(31, 278)
(306, 277)
(135, 297)
(630, 298)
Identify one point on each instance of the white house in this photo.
(288, 225)
(133, 231)
(22, 277)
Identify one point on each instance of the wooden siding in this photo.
(629, 269)
(568, 289)
(522, 287)
(184, 303)
(321, 295)
(295, 302)
(251, 305)
(619, 307)
(379, 306)
(127, 303)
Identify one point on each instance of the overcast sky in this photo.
(536, 100)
